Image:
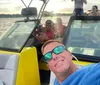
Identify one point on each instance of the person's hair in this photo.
(48, 42)
(59, 18)
(49, 22)
(95, 7)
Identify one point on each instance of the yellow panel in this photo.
(83, 63)
(43, 65)
(28, 71)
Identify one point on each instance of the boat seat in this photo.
(8, 68)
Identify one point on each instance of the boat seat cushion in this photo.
(1, 82)
(8, 68)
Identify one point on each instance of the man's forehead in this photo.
(51, 45)
(54, 43)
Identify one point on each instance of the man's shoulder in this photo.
(90, 67)
(96, 65)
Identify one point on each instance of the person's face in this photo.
(59, 21)
(59, 62)
(94, 9)
(48, 25)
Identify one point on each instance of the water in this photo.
(5, 23)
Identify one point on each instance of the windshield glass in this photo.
(84, 37)
(17, 35)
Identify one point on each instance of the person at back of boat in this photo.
(94, 11)
(43, 34)
(47, 32)
(59, 28)
(78, 9)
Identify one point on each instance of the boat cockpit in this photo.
(19, 54)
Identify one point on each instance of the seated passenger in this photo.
(94, 11)
(59, 28)
(47, 32)
(43, 35)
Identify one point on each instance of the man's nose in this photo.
(54, 56)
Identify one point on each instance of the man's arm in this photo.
(85, 1)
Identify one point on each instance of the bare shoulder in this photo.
(98, 13)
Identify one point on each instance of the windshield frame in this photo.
(24, 43)
(82, 57)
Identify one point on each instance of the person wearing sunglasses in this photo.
(47, 32)
(59, 61)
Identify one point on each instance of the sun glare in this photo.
(57, 6)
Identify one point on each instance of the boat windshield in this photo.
(16, 36)
(84, 37)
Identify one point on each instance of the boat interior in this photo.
(20, 52)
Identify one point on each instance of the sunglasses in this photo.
(57, 50)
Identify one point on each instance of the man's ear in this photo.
(70, 54)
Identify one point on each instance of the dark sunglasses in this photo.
(48, 24)
(57, 50)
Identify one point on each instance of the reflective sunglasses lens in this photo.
(47, 57)
(59, 49)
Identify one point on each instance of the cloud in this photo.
(11, 10)
(18, 9)
(2, 2)
(15, 6)
(3, 10)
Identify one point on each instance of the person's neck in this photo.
(62, 76)
(59, 24)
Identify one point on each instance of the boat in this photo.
(19, 60)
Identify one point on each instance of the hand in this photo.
(42, 37)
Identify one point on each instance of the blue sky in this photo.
(15, 6)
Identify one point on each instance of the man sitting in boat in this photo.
(59, 61)
(47, 32)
